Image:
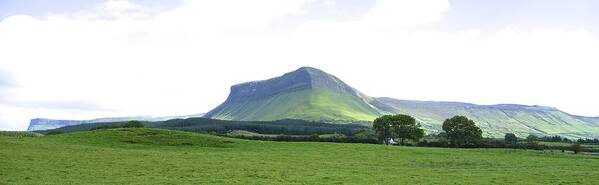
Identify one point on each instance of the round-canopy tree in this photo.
(511, 139)
(382, 128)
(462, 131)
(399, 126)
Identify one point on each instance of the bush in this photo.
(133, 124)
(106, 127)
(426, 143)
(130, 124)
(576, 148)
(311, 138)
(493, 143)
(366, 134)
(54, 132)
(510, 139)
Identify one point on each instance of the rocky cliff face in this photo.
(305, 78)
(44, 124)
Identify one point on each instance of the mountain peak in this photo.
(309, 70)
(303, 78)
(313, 74)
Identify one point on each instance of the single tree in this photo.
(532, 140)
(382, 128)
(576, 148)
(511, 139)
(405, 127)
(462, 131)
(400, 127)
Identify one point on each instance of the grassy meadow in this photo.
(155, 156)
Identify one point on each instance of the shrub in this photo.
(576, 148)
(54, 132)
(106, 127)
(426, 143)
(510, 139)
(311, 138)
(133, 124)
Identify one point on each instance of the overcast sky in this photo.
(83, 59)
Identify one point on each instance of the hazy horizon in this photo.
(95, 58)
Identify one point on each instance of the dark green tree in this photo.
(576, 148)
(405, 127)
(462, 131)
(382, 128)
(532, 140)
(400, 127)
(511, 139)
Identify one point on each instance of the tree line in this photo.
(458, 130)
(461, 132)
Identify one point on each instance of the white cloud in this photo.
(401, 13)
(119, 6)
(133, 61)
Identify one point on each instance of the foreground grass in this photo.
(150, 156)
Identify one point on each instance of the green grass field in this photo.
(152, 156)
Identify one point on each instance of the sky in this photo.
(95, 58)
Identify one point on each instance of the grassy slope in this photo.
(162, 157)
(495, 122)
(306, 104)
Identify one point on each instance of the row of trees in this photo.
(459, 130)
(510, 139)
(532, 142)
(588, 141)
(566, 140)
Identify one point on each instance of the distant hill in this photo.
(312, 94)
(45, 124)
(205, 125)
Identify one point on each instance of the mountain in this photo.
(496, 120)
(311, 94)
(45, 124)
(306, 93)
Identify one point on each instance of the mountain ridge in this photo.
(297, 95)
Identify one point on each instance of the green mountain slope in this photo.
(306, 93)
(312, 94)
(496, 120)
